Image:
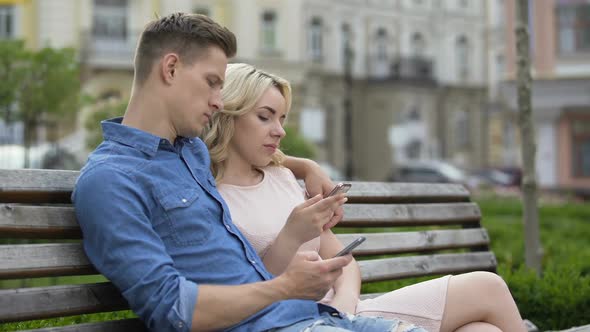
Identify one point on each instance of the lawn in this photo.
(558, 299)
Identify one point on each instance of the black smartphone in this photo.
(351, 246)
(340, 188)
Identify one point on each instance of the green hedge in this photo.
(560, 297)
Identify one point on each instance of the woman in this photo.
(268, 205)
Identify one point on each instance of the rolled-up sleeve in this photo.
(113, 210)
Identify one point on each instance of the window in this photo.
(315, 39)
(462, 49)
(581, 148)
(346, 45)
(573, 25)
(464, 3)
(381, 41)
(110, 19)
(269, 27)
(6, 22)
(418, 45)
(461, 129)
(500, 66)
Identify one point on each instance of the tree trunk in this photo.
(533, 250)
(30, 137)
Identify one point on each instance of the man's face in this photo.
(197, 92)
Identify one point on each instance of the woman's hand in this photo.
(309, 219)
(317, 182)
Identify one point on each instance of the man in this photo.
(153, 221)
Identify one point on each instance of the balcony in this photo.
(417, 69)
(104, 52)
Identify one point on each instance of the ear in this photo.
(169, 67)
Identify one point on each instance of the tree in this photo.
(41, 86)
(296, 145)
(13, 67)
(533, 249)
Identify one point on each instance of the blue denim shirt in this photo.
(155, 225)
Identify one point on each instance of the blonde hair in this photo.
(244, 86)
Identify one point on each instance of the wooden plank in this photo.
(46, 302)
(36, 185)
(43, 260)
(38, 222)
(22, 221)
(389, 192)
(414, 266)
(55, 186)
(404, 242)
(122, 325)
(389, 215)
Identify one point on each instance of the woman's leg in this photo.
(480, 297)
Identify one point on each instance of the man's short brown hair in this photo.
(187, 35)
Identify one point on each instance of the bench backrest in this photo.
(411, 229)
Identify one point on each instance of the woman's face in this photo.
(258, 133)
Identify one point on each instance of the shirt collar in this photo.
(143, 141)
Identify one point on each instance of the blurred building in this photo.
(418, 77)
(560, 52)
(417, 85)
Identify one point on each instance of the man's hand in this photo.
(308, 277)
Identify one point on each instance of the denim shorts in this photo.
(342, 323)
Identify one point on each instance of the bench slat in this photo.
(122, 325)
(56, 259)
(403, 242)
(43, 260)
(55, 186)
(381, 215)
(35, 303)
(35, 185)
(34, 222)
(414, 266)
(55, 301)
(49, 222)
(389, 192)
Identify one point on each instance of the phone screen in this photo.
(348, 249)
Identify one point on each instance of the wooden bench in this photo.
(445, 237)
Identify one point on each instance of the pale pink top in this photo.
(260, 211)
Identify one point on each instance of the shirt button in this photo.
(253, 262)
(184, 200)
(180, 325)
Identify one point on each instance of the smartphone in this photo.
(340, 188)
(351, 246)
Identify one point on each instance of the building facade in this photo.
(417, 82)
(560, 52)
(376, 82)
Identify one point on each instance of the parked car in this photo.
(496, 177)
(432, 171)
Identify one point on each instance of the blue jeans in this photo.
(337, 322)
